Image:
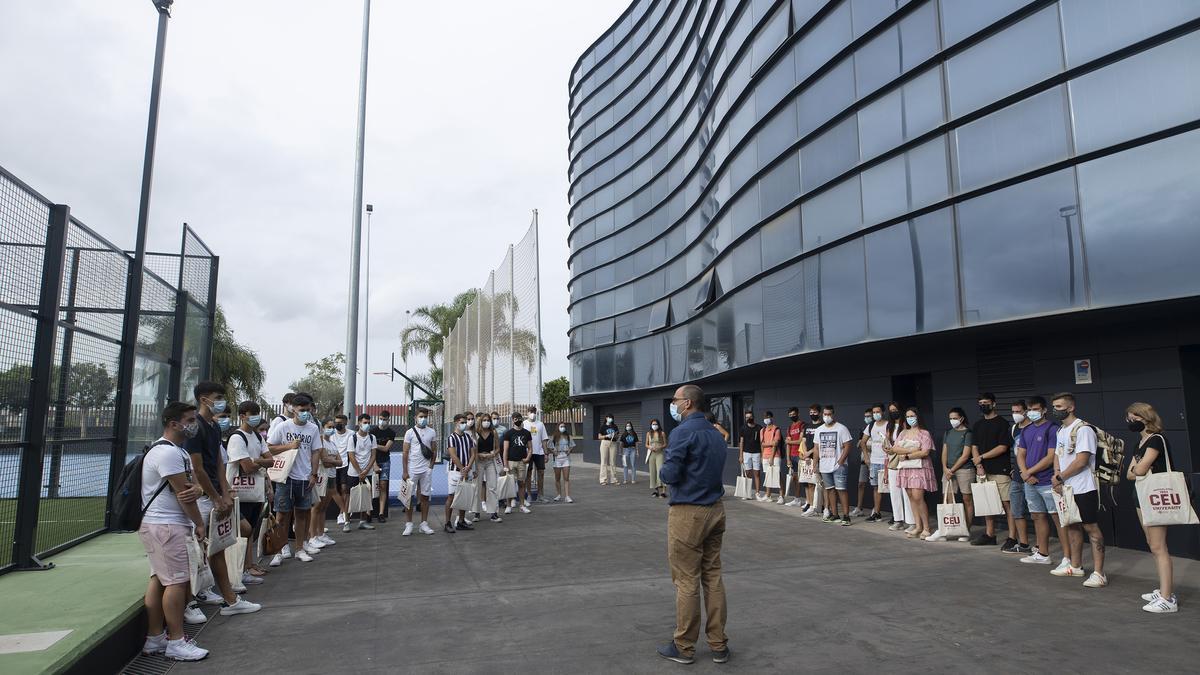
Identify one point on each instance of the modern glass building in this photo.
(852, 201)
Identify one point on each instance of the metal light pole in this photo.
(367, 313)
(351, 384)
(407, 386)
(136, 269)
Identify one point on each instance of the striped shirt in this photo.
(462, 445)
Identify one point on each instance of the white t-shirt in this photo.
(563, 450)
(417, 464)
(1085, 441)
(161, 461)
(829, 442)
(363, 445)
(537, 429)
(878, 438)
(309, 436)
(249, 447)
(342, 442)
(276, 421)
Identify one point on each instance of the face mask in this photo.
(1018, 418)
(383, 424)
(304, 416)
(750, 422)
(218, 406)
(421, 422)
(255, 420)
(190, 430)
(487, 424)
(912, 421)
(629, 427)
(339, 427)
(224, 422)
(867, 419)
(364, 426)
(517, 424)
(986, 408)
(767, 421)
(955, 422)
(608, 420)
(876, 416)
(828, 419)
(1035, 415)
(462, 426)
(794, 418)
(894, 414)
(1058, 415)
(654, 427)
(814, 417)
(562, 430)
(1137, 426)
(675, 412)
(329, 431)
(531, 416)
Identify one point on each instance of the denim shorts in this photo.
(294, 494)
(752, 461)
(874, 475)
(864, 472)
(385, 467)
(1016, 499)
(835, 479)
(1039, 498)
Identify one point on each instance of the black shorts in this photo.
(251, 511)
(341, 481)
(1088, 504)
(538, 462)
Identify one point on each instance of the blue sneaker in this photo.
(671, 653)
(721, 656)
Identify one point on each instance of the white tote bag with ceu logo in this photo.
(952, 517)
(1068, 510)
(1163, 498)
(222, 532)
(281, 466)
(251, 487)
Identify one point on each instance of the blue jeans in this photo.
(1016, 499)
(835, 479)
(1040, 498)
(294, 494)
(629, 471)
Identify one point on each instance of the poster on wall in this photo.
(1083, 371)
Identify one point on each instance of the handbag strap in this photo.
(1164, 450)
(948, 498)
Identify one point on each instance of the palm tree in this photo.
(431, 326)
(234, 364)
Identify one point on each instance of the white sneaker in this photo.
(558, 498)
(1161, 605)
(810, 512)
(240, 607)
(238, 588)
(341, 519)
(326, 539)
(525, 510)
(1096, 580)
(315, 542)
(345, 527)
(192, 615)
(209, 597)
(407, 530)
(426, 529)
(936, 536)
(364, 525)
(309, 549)
(527, 502)
(286, 551)
(1065, 564)
(184, 650)
(507, 510)
(276, 561)
(780, 501)
(760, 497)
(1067, 571)
(795, 502)
(1036, 558)
(251, 580)
(155, 644)
(825, 514)
(570, 501)
(303, 556)
(1149, 597)
(856, 512)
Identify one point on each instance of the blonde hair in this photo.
(1148, 414)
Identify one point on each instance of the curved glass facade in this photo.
(752, 180)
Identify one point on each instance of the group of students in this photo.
(206, 462)
(1045, 452)
(616, 442)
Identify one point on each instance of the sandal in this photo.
(910, 535)
(925, 534)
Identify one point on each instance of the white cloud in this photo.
(466, 132)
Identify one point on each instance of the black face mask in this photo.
(340, 427)
(894, 414)
(814, 417)
(1137, 426)
(1057, 415)
(750, 423)
(794, 418)
(986, 408)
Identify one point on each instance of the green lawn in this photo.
(59, 521)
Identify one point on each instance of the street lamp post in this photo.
(367, 312)
(351, 385)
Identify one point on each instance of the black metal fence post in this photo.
(206, 364)
(175, 381)
(29, 490)
(64, 374)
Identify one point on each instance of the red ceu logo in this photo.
(951, 520)
(224, 527)
(1165, 498)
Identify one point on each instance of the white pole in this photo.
(367, 317)
(537, 284)
(351, 384)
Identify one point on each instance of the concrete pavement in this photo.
(584, 588)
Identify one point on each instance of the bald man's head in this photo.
(689, 399)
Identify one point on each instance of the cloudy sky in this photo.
(466, 134)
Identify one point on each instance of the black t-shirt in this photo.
(207, 444)
(610, 432)
(485, 444)
(629, 439)
(810, 433)
(518, 441)
(987, 435)
(750, 440)
(382, 436)
(1157, 442)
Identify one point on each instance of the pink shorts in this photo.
(166, 547)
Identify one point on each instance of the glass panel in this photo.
(781, 185)
(777, 135)
(885, 190)
(1141, 215)
(604, 368)
(918, 36)
(923, 109)
(868, 13)
(1003, 63)
(747, 261)
(928, 173)
(781, 238)
(843, 293)
(826, 97)
(623, 365)
(1144, 93)
(803, 10)
(961, 18)
(823, 41)
(880, 125)
(832, 214)
(783, 311)
(829, 154)
(1097, 27)
(660, 315)
(877, 62)
(1020, 233)
(911, 277)
(939, 271)
(1012, 140)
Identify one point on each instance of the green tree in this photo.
(89, 386)
(431, 325)
(233, 364)
(556, 395)
(14, 387)
(324, 382)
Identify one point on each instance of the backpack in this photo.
(1110, 452)
(127, 510)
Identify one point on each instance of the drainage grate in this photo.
(158, 665)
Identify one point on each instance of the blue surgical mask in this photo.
(218, 406)
(304, 416)
(329, 432)
(364, 427)
(254, 420)
(421, 422)
(876, 416)
(1035, 415)
(462, 426)
(675, 413)
(912, 421)
(224, 422)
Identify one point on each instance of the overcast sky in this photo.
(466, 134)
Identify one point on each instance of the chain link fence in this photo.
(63, 306)
(493, 355)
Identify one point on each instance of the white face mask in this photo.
(487, 424)
(1018, 418)
(1035, 415)
(608, 420)
(955, 422)
(767, 421)
(828, 419)
(531, 416)
(654, 427)
(562, 430)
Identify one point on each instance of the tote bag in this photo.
(464, 498)
(1068, 511)
(808, 471)
(282, 466)
(743, 488)
(772, 475)
(222, 532)
(320, 486)
(201, 574)
(360, 498)
(1163, 497)
(987, 498)
(250, 487)
(405, 493)
(506, 487)
(235, 560)
(952, 517)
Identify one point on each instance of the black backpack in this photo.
(127, 508)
